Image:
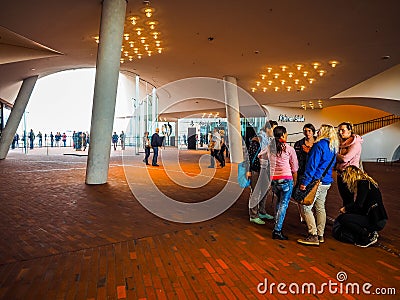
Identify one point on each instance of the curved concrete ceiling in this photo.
(216, 38)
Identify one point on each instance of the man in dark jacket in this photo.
(156, 141)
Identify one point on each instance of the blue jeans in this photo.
(155, 155)
(283, 189)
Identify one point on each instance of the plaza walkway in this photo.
(62, 239)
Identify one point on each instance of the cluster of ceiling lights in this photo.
(141, 35)
(311, 105)
(289, 78)
(210, 115)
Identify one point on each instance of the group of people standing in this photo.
(217, 148)
(55, 139)
(315, 157)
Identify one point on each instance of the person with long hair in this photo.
(364, 217)
(349, 155)
(321, 157)
(284, 164)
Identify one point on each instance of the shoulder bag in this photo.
(307, 196)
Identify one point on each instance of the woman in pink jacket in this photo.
(349, 155)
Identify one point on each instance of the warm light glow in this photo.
(269, 69)
(296, 81)
(321, 72)
(126, 53)
(276, 88)
(276, 75)
(283, 81)
(159, 50)
(155, 34)
(258, 83)
(305, 73)
(134, 20)
(299, 66)
(97, 39)
(333, 63)
(139, 55)
(146, 47)
(283, 68)
(126, 36)
(130, 58)
(288, 88)
(149, 11)
(263, 76)
(253, 89)
(143, 40)
(136, 50)
(158, 43)
(316, 65)
(149, 53)
(139, 30)
(269, 82)
(152, 24)
(264, 89)
(131, 44)
(290, 74)
(302, 88)
(311, 80)
(122, 60)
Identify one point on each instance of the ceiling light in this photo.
(321, 72)
(283, 68)
(258, 83)
(134, 19)
(139, 30)
(315, 65)
(299, 66)
(269, 82)
(253, 89)
(283, 81)
(269, 69)
(148, 11)
(333, 63)
(302, 88)
(264, 89)
(311, 80)
(155, 34)
(263, 76)
(159, 50)
(276, 75)
(290, 74)
(276, 88)
(305, 73)
(289, 88)
(126, 36)
(296, 81)
(151, 24)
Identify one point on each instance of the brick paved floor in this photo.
(62, 239)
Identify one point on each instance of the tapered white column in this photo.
(233, 119)
(105, 90)
(16, 114)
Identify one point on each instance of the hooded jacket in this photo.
(349, 152)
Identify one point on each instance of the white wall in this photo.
(381, 143)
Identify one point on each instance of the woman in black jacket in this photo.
(363, 218)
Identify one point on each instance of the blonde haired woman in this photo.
(366, 215)
(321, 157)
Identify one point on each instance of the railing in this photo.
(374, 124)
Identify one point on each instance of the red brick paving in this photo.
(62, 239)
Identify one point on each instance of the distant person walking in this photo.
(31, 137)
(122, 138)
(114, 139)
(40, 137)
(156, 141)
(146, 146)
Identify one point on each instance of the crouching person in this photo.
(360, 220)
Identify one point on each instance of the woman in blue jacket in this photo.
(321, 157)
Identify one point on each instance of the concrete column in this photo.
(18, 110)
(105, 90)
(233, 119)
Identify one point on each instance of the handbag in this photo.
(307, 196)
(243, 181)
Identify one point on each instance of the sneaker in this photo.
(311, 240)
(257, 221)
(278, 235)
(321, 239)
(373, 238)
(265, 216)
